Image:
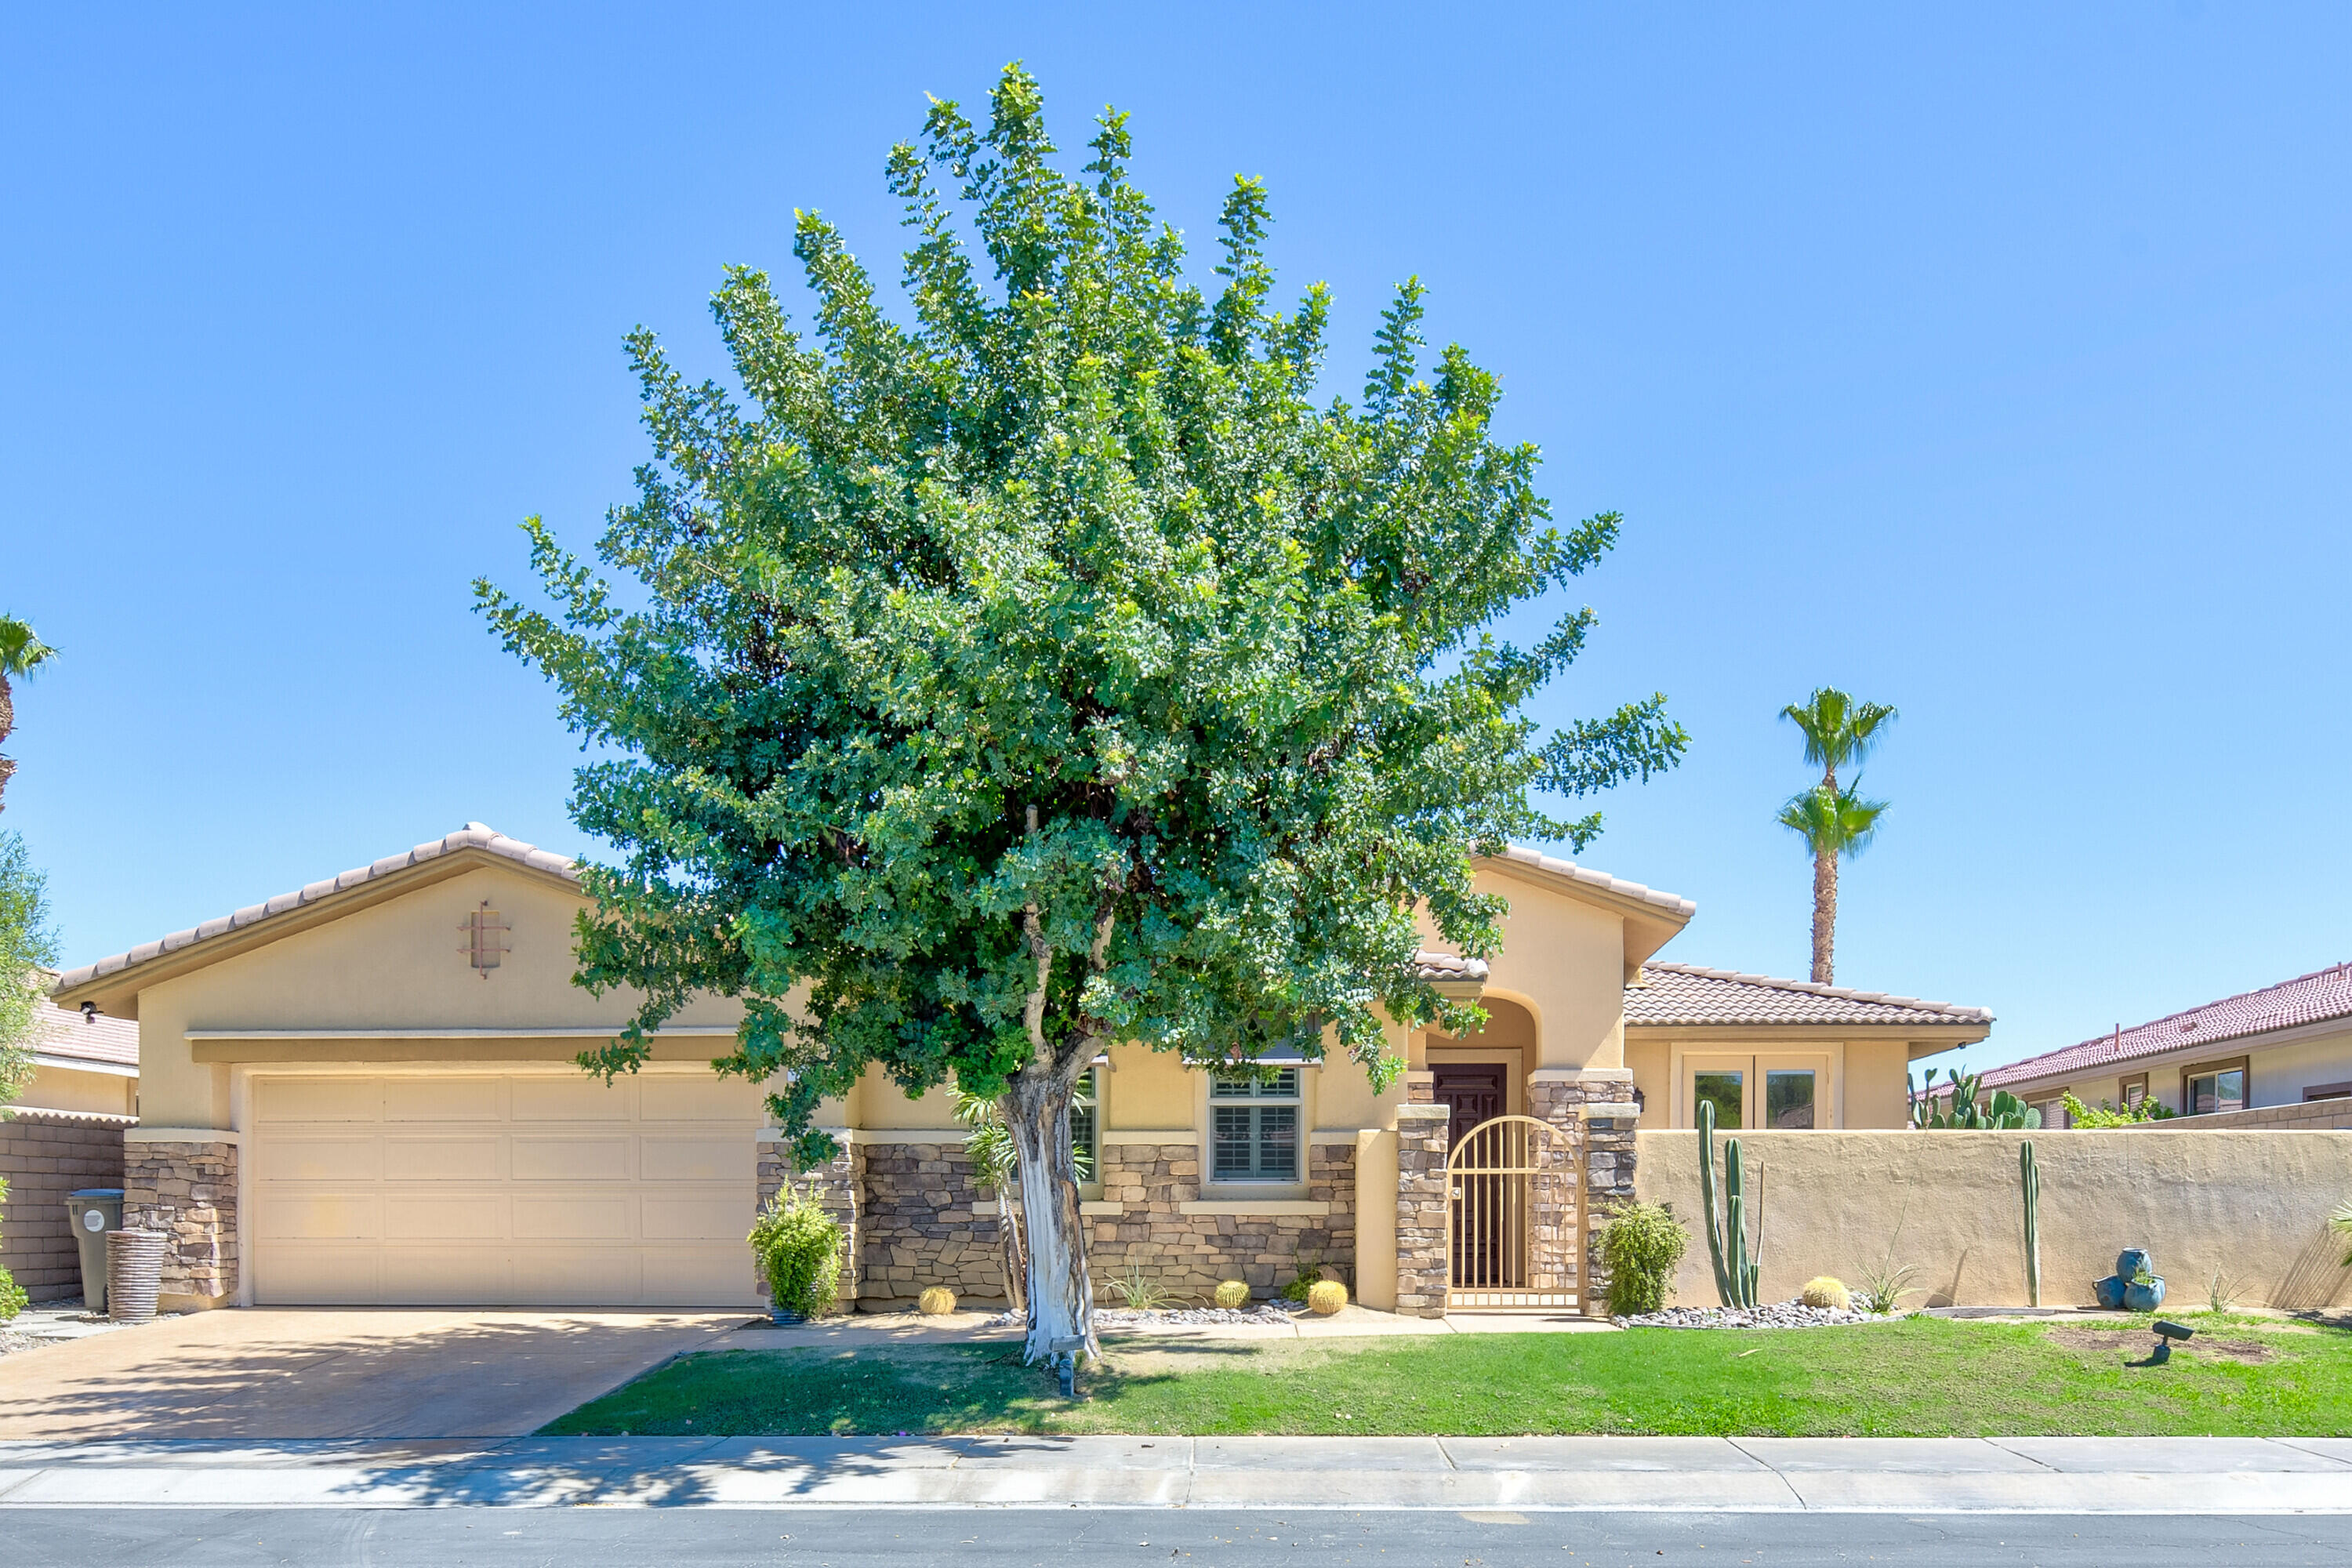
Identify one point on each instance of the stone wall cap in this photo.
(182, 1135)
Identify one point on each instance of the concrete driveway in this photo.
(285, 1372)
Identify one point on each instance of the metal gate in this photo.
(1514, 1227)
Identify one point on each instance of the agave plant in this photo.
(1960, 1108)
(2340, 1222)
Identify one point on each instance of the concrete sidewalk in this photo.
(1912, 1475)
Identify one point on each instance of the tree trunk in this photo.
(1012, 1258)
(1061, 1296)
(1824, 916)
(7, 724)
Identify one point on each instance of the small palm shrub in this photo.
(1827, 1291)
(1642, 1245)
(798, 1246)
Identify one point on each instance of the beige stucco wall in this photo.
(2251, 1205)
(395, 965)
(1877, 1086)
(71, 1088)
(1564, 961)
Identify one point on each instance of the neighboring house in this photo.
(64, 1133)
(364, 1093)
(2279, 1057)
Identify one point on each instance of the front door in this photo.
(1473, 1092)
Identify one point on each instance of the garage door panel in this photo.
(699, 1100)
(581, 1099)
(442, 1159)
(342, 1158)
(319, 1099)
(431, 1276)
(328, 1275)
(298, 1215)
(502, 1188)
(684, 1276)
(713, 1217)
(537, 1159)
(444, 1099)
(581, 1216)
(560, 1276)
(477, 1217)
(703, 1159)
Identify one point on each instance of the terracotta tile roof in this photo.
(1429, 965)
(1671, 903)
(2315, 998)
(473, 836)
(1687, 994)
(59, 1032)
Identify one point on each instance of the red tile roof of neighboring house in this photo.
(2315, 998)
(1687, 994)
(57, 1032)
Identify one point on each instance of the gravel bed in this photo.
(11, 1341)
(1789, 1314)
(1166, 1317)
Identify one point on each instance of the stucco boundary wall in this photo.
(2251, 1205)
(2314, 1115)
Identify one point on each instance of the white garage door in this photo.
(501, 1189)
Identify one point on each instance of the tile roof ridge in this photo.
(473, 836)
(2132, 1042)
(1526, 855)
(1814, 988)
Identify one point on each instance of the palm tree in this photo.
(21, 653)
(1834, 822)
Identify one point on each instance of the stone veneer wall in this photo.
(1192, 1253)
(2310, 1116)
(1422, 1267)
(44, 1155)
(921, 1222)
(188, 1191)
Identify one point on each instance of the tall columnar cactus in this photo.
(1736, 1273)
(2030, 1178)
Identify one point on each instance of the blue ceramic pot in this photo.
(2131, 1260)
(2110, 1292)
(786, 1315)
(2144, 1297)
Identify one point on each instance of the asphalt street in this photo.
(844, 1538)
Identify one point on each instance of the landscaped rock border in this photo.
(1789, 1314)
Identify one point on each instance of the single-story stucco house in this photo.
(64, 1132)
(2279, 1057)
(364, 1093)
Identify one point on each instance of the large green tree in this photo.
(1040, 666)
(1835, 821)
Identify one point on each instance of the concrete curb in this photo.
(1681, 1475)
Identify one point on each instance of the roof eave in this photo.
(115, 992)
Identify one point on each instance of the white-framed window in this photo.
(1254, 1126)
(1086, 1127)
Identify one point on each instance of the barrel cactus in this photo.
(937, 1301)
(1828, 1292)
(1326, 1296)
(1232, 1294)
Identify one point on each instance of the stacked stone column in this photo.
(187, 1191)
(1592, 1110)
(1422, 1265)
(840, 1181)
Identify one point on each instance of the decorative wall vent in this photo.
(486, 938)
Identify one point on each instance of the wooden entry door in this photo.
(1474, 1093)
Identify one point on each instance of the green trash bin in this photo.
(94, 1211)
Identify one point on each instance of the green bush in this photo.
(798, 1246)
(2081, 1115)
(12, 1295)
(1642, 1245)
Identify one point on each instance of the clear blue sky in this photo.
(1989, 361)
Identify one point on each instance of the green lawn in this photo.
(1917, 1377)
